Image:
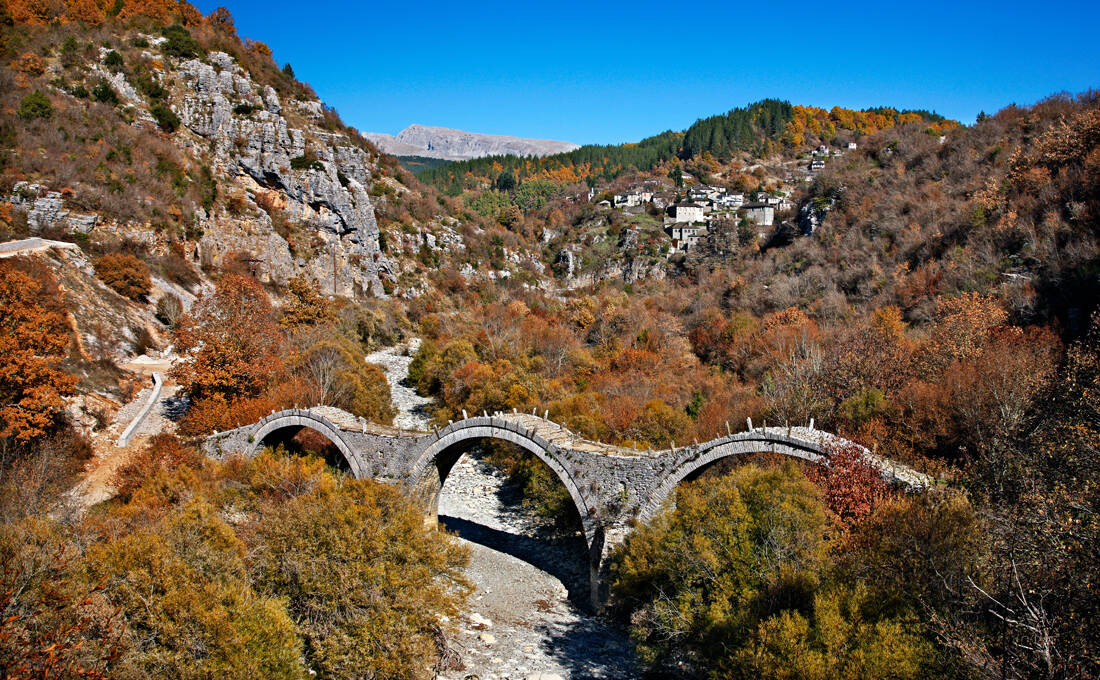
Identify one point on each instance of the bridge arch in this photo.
(296, 419)
(431, 467)
(434, 463)
(734, 445)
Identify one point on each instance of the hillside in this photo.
(758, 130)
(183, 138)
(449, 144)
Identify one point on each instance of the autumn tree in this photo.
(364, 581)
(52, 623)
(335, 373)
(125, 274)
(190, 608)
(305, 306)
(222, 19)
(693, 581)
(851, 486)
(34, 340)
(231, 342)
(836, 639)
(87, 11)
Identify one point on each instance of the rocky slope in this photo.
(450, 144)
(327, 191)
(211, 152)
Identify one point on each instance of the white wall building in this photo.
(688, 212)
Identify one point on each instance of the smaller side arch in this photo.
(300, 419)
(723, 448)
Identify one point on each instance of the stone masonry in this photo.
(611, 485)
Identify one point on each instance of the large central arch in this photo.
(434, 463)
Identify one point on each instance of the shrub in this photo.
(232, 344)
(306, 306)
(34, 339)
(146, 83)
(180, 43)
(306, 162)
(166, 117)
(175, 267)
(182, 582)
(215, 413)
(104, 93)
(244, 109)
(335, 374)
(734, 547)
(113, 61)
(35, 105)
(125, 274)
(369, 603)
(163, 453)
(169, 309)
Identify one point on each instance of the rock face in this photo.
(449, 144)
(47, 209)
(320, 178)
(273, 159)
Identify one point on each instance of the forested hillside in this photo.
(758, 130)
(919, 318)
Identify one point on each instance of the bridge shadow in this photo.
(594, 647)
(573, 574)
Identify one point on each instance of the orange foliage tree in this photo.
(125, 274)
(87, 11)
(231, 340)
(34, 340)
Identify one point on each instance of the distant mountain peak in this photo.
(450, 144)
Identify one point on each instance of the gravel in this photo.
(526, 617)
(394, 362)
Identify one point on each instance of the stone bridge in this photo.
(611, 486)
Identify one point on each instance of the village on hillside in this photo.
(703, 217)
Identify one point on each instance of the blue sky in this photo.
(619, 71)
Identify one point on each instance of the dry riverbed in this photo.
(523, 619)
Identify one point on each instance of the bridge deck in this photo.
(350, 423)
(815, 442)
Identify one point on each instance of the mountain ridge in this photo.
(431, 141)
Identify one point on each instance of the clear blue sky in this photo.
(615, 72)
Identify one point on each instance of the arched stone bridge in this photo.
(610, 485)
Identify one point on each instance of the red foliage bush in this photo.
(852, 487)
(125, 274)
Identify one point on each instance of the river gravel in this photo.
(526, 617)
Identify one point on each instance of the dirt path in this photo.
(97, 486)
(522, 621)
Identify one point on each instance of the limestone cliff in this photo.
(289, 184)
(261, 148)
